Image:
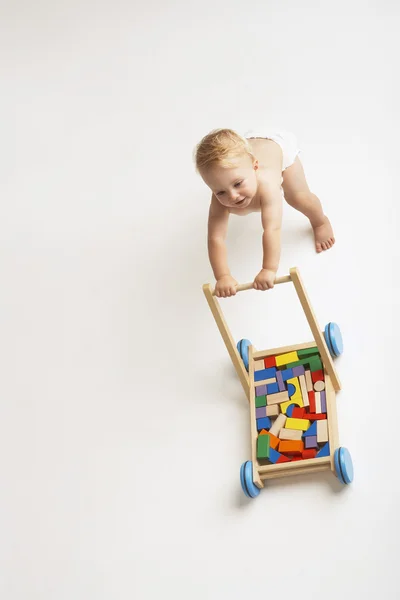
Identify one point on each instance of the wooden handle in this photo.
(250, 286)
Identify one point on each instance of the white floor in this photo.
(122, 422)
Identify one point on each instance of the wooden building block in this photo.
(273, 440)
(277, 398)
(282, 459)
(312, 417)
(263, 446)
(312, 430)
(269, 362)
(274, 455)
(325, 451)
(290, 434)
(260, 401)
(295, 458)
(261, 390)
(318, 402)
(307, 352)
(285, 405)
(273, 410)
(264, 423)
(323, 402)
(284, 359)
(309, 453)
(298, 413)
(265, 374)
(261, 412)
(304, 391)
(311, 441)
(311, 398)
(317, 376)
(297, 371)
(313, 362)
(296, 397)
(287, 374)
(278, 424)
(301, 424)
(259, 365)
(292, 447)
(322, 431)
(309, 382)
(319, 386)
(272, 388)
(279, 380)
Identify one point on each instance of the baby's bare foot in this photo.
(323, 236)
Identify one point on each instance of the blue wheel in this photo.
(243, 349)
(333, 339)
(343, 465)
(246, 480)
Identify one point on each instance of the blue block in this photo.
(272, 388)
(312, 430)
(324, 451)
(287, 374)
(264, 423)
(290, 409)
(265, 374)
(274, 455)
(291, 389)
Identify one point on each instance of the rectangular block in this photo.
(277, 398)
(272, 388)
(261, 390)
(309, 382)
(278, 424)
(266, 381)
(287, 374)
(269, 362)
(317, 376)
(273, 410)
(307, 352)
(303, 388)
(290, 434)
(263, 446)
(297, 371)
(313, 362)
(322, 431)
(302, 424)
(261, 401)
(298, 413)
(279, 380)
(319, 417)
(264, 423)
(310, 453)
(284, 359)
(311, 398)
(261, 412)
(259, 365)
(292, 447)
(318, 402)
(311, 441)
(323, 402)
(265, 374)
(273, 440)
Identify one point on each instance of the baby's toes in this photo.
(318, 247)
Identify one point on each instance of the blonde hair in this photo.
(218, 146)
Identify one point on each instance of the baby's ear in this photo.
(255, 165)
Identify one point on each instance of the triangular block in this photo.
(312, 430)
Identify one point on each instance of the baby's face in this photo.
(234, 187)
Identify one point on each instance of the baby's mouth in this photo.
(240, 202)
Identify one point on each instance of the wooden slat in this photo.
(312, 321)
(331, 413)
(298, 471)
(283, 350)
(292, 466)
(253, 425)
(227, 337)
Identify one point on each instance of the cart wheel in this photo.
(343, 465)
(243, 349)
(246, 480)
(333, 339)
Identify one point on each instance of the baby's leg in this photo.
(298, 195)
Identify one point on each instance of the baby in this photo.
(245, 174)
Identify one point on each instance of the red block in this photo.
(318, 417)
(282, 459)
(310, 453)
(317, 376)
(298, 412)
(296, 458)
(269, 362)
(311, 399)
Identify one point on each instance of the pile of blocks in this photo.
(290, 404)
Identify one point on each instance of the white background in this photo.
(122, 422)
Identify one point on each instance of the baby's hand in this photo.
(265, 280)
(225, 286)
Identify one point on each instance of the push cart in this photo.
(292, 396)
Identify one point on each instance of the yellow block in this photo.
(297, 397)
(285, 359)
(292, 423)
(284, 405)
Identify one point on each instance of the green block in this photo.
(313, 361)
(261, 401)
(263, 446)
(307, 352)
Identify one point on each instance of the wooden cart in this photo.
(245, 358)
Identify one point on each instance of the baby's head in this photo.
(227, 165)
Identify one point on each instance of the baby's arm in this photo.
(217, 228)
(271, 217)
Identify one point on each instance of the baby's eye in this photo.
(220, 193)
(239, 183)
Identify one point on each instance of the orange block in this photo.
(269, 362)
(293, 447)
(310, 453)
(273, 440)
(317, 376)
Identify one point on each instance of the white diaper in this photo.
(286, 140)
